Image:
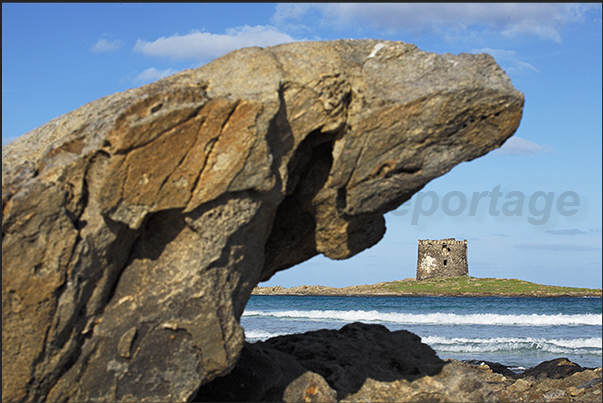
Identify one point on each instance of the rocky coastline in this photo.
(368, 363)
(557, 380)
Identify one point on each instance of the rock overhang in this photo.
(190, 190)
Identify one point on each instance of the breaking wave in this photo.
(590, 345)
(255, 335)
(435, 318)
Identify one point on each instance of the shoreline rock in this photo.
(364, 362)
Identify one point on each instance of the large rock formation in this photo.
(135, 227)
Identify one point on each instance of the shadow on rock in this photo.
(292, 367)
(261, 374)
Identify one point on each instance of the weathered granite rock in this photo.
(344, 358)
(495, 367)
(348, 356)
(368, 363)
(454, 383)
(265, 374)
(554, 369)
(135, 227)
(558, 380)
(360, 362)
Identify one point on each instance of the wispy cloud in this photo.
(518, 146)
(152, 74)
(508, 60)
(559, 247)
(104, 45)
(573, 231)
(508, 19)
(203, 46)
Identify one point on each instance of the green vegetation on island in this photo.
(484, 286)
(451, 286)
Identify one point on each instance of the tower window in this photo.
(445, 262)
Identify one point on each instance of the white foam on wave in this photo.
(591, 345)
(260, 334)
(437, 318)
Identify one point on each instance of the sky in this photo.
(529, 210)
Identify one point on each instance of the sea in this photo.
(517, 332)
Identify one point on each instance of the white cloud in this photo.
(104, 45)
(152, 74)
(518, 146)
(508, 60)
(205, 46)
(509, 19)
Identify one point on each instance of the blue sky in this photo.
(539, 214)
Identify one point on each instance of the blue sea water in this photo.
(517, 332)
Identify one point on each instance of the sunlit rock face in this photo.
(135, 228)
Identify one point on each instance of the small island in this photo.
(460, 286)
(442, 271)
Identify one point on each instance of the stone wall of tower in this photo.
(442, 258)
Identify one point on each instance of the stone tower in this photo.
(443, 258)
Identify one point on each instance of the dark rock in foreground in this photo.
(264, 374)
(368, 363)
(135, 228)
(347, 357)
(353, 363)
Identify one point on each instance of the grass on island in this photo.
(484, 286)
